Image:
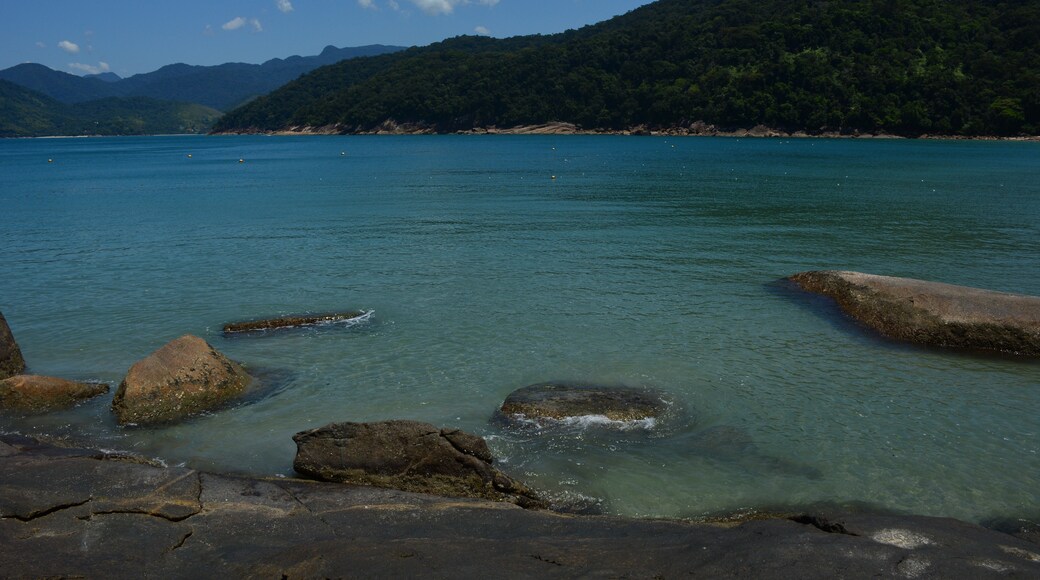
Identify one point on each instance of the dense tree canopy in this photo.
(907, 67)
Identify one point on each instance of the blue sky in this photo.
(135, 36)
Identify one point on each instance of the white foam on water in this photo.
(589, 421)
(349, 321)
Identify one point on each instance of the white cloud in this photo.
(90, 69)
(436, 6)
(234, 23)
(41, 45)
(370, 4)
(256, 25)
(70, 47)
(284, 5)
(482, 31)
(448, 6)
(393, 5)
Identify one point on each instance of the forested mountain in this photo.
(60, 86)
(220, 87)
(26, 113)
(957, 67)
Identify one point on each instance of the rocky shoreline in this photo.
(407, 498)
(84, 513)
(695, 129)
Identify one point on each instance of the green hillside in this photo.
(26, 113)
(906, 67)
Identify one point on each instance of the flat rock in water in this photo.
(407, 455)
(933, 313)
(88, 514)
(184, 377)
(293, 321)
(11, 361)
(34, 393)
(552, 403)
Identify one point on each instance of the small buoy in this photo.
(50, 161)
(189, 155)
(241, 160)
(342, 153)
(554, 177)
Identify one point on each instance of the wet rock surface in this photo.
(184, 377)
(933, 313)
(11, 361)
(410, 456)
(76, 513)
(260, 326)
(34, 393)
(551, 403)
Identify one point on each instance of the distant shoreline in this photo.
(698, 129)
(694, 130)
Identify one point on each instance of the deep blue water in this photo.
(646, 261)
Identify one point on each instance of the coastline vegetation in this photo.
(902, 67)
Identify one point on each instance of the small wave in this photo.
(351, 321)
(589, 421)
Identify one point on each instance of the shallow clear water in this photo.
(647, 261)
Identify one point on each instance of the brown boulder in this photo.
(932, 313)
(184, 377)
(407, 455)
(34, 393)
(11, 361)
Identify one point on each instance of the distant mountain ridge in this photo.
(904, 67)
(27, 113)
(220, 87)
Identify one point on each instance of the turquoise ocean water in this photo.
(647, 261)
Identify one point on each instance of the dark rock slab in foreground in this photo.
(410, 456)
(548, 403)
(933, 313)
(184, 377)
(34, 393)
(293, 321)
(11, 361)
(85, 514)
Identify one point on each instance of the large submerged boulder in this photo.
(184, 377)
(34, 393)
(410, 456)
(933, 313)
(257, 326)
(11, 361)
(548, 404)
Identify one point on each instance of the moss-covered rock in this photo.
(551, 403)
(294, 321)
(184, 377)
(34, 393)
